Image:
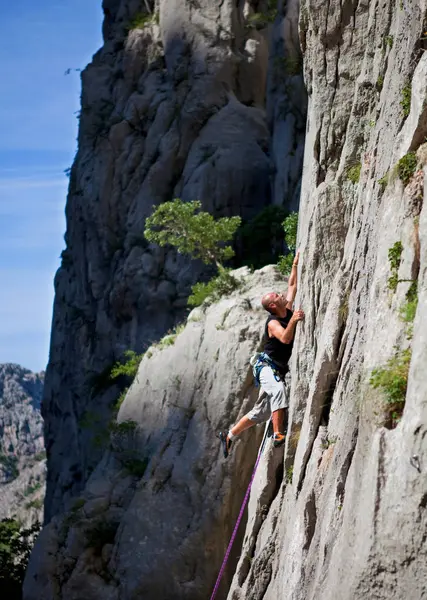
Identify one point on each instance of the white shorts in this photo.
(272, 397)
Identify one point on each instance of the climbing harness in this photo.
(239, 518)
(260, 360)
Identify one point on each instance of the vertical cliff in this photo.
(342, 513)
(350, 519)
(172, 105)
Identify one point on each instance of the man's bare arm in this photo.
(285, 334)
(292, 283)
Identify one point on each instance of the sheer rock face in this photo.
(173, 105)
(350, 519)
(22, 457)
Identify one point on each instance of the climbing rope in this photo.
(239, 518)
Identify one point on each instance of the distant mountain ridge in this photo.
(22, 455)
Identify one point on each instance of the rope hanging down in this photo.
(239, 518)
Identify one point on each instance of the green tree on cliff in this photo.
(197, 233)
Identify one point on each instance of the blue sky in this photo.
(39, 41)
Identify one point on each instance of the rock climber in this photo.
(271, 365)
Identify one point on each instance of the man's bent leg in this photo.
(241, 426)
(278, 402)
(260, 413)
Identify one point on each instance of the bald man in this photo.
(272, 365)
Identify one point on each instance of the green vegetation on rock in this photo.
(353, 173)
(37, 504)
(129, 368)
(290, 226)
(16, 543)
(288, 65)
(141, 20)
(394, 257)
(136, 466)
(207, 293)
(406, 167)
(388, 41)
(199, 234)
(409, 308)
(392, 379)
(260, 20)
(405, 103)
(191, 231)
(10, 466)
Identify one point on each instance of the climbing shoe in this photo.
(278, 439)
(225, 443)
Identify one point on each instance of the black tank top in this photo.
(278, 352)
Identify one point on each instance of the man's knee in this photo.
(258, 416)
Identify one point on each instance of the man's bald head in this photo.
(267, 300)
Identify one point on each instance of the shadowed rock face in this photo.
(22, 456)
(173, 105)
(157, 513)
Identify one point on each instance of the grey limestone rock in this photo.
(173, 105)
(349, 521)
(157, 512)
(22, 456)
(343, 513)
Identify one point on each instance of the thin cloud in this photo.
(29, 183)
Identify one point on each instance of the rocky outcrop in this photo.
(172, 105)
(156, 514)
(22, 456)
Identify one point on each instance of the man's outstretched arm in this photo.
(292, 283)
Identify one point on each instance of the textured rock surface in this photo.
(162, 533)
(344, 514)
(22, 456)
(174, 106)
(350, 519)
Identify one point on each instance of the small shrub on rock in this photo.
(353, 173)
(408, 310)
(406, 167)
(141, 20)
(394, 257)
(388, 40)
(191, 231)
(392, 379)
(9, 465)
(405, 103)
(207, 293)
(128, 368)
(260, 20)
(290, 226)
